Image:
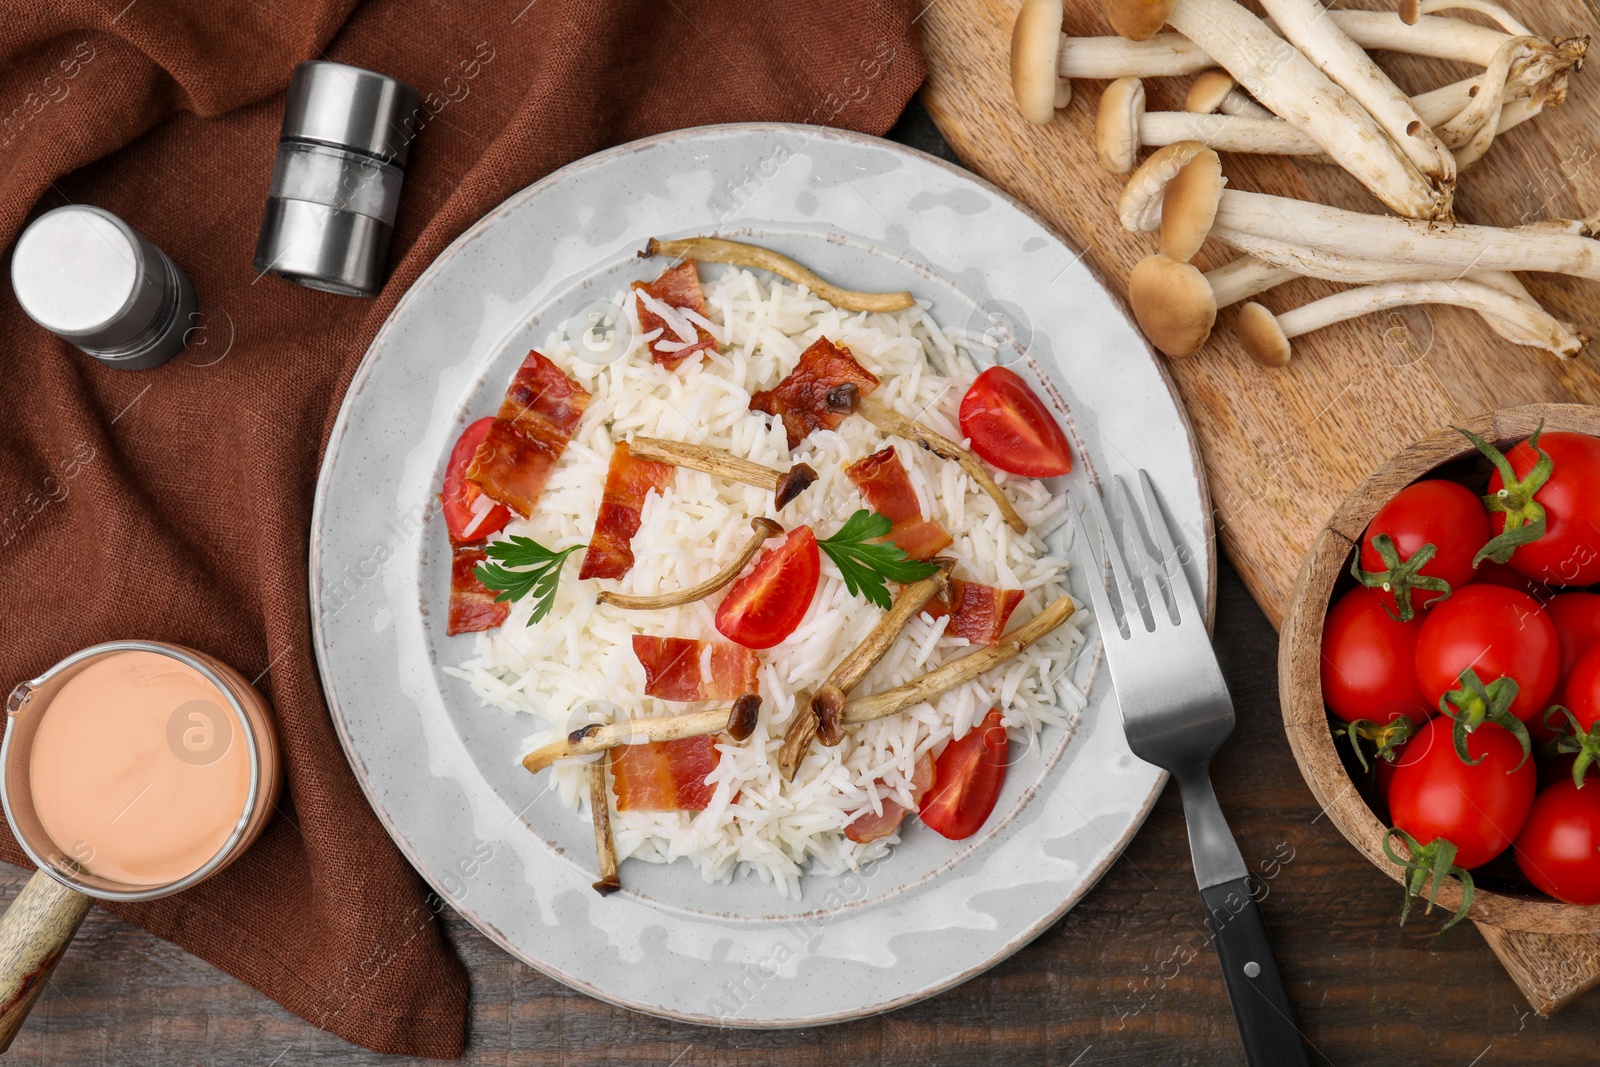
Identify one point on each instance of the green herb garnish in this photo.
(867, 566)
(540, 578)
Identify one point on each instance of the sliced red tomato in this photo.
(1444, 514)
(967, 780)
(469, 514)
(871, 825)
(1010, 427)
(1559, 846)
(766, 605)
(1369, 661)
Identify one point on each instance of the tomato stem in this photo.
(1428, 865)
(1399, 577)
(1384, 739)
(1474, 704)
(1524, 516)
(1586, 743)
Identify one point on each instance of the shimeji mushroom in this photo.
(1287, 82)
(1256, 223)
(1266, 336)
(1216, 91)
(1124, 126)
(1305, 24)
(1044, 59)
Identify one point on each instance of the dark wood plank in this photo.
(1105, 987)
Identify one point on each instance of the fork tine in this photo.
(1097, 584)
(1119, 569)
(1150, 571)
(1171, 564)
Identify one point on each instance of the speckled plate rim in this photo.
(429, 847)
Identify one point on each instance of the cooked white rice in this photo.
(581, 650)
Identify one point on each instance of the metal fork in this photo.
(1176, 712)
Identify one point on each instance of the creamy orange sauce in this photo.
(140, 770)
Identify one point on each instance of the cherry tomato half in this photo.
(469, 515)
(1369, 661)
(1477, 807)
(967, 780)
(1498, 633)
(1010, 427)
(1569, 551)
(1436, 512)
(1559, 846)
(766, 605)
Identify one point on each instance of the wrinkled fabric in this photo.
(174, 504)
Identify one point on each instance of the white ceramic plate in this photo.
(442, 770)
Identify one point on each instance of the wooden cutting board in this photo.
(1283, 447)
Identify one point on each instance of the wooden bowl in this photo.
(1322, 575)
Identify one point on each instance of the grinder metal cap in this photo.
(348, 107)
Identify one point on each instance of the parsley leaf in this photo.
(540, 579)
(868, 566)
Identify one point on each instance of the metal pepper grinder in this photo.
(336, 183)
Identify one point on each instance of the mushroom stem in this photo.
(600, 737)
(891, 421)
(600, 808)
(764, 528)
(1216, 91)
(1282, 78)
(1411, 10)
(1522, 322)
(1305, 24)
(957, 672)
(1432, 35)
(1243, 217)
(740, 254)
(720, 463)
(820, 714)
(1242, 278)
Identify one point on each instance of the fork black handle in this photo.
(1260, 1003)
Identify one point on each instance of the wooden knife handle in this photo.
(34, 934)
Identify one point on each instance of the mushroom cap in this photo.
(1263, 338)
(1138, 20)
(1410, 11)
(1140, 206)
(1189, 205)
(1116, 129)
(1173, 303)
(1035, 53)
(1208, 91)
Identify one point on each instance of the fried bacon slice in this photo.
(680, 668)
(872, 825)
(883, 480)
(664, 775)
(978, 612)
(472, 605)
(678, 287)
(628, 481)
(801, 399)
(535, 422)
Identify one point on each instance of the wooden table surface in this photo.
(1124, 979)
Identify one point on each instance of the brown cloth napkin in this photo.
(174, 504)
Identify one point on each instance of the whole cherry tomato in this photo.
(1583, 704)
(1496, 633)
(1369, 661)
(1559, 846)
(1394, 555)
(1010, 426)
(1477, 807)
(1577, 620)
(1565, 493)
(766, 605)
(967, 780)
